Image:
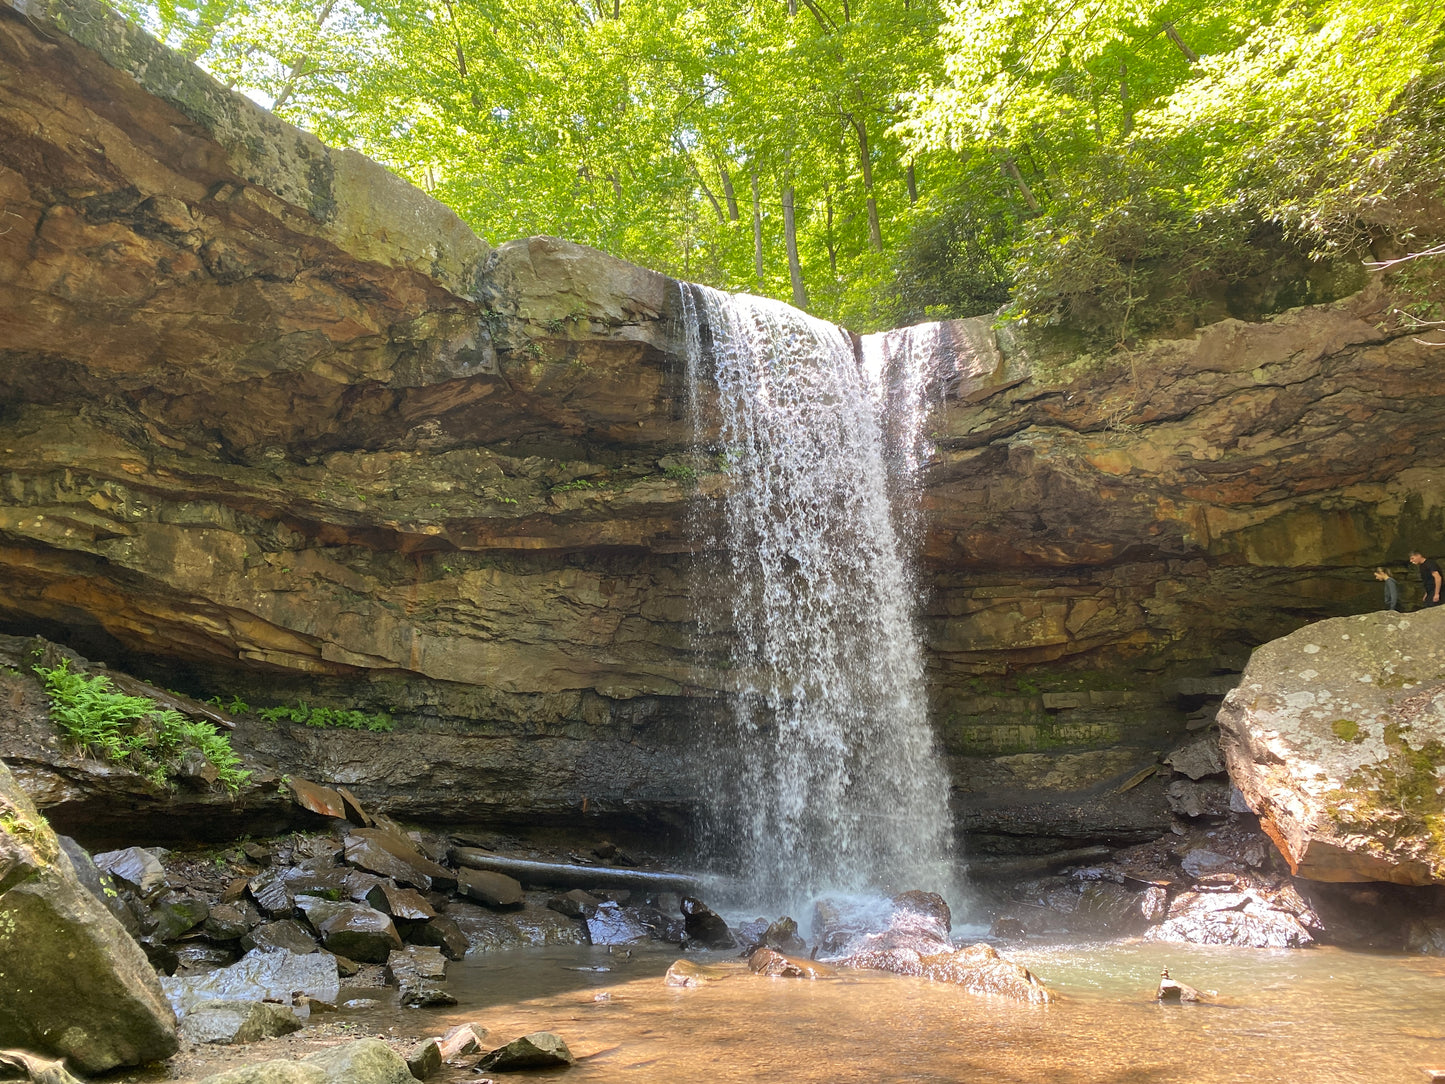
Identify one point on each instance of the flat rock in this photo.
(237, 1022)
(1198, 759)
(688, 973)
(441, 931)
(404, 903)
(259, 976)
(352, 929)
(286, 933)
(611, 924)
(390, 854)
(1336, 739)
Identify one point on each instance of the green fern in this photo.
(133, 730)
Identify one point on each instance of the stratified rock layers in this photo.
(1336, 737)
(277, 424)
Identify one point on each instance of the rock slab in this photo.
(1335, 737)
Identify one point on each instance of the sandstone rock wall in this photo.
(278, 425)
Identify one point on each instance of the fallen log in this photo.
(564, 875)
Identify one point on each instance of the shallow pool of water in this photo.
(1320, 1015)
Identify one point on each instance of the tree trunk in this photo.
(729, 193)
(912, 183)
(790, 235)
(875, 232)
(565, 875)
(289, 87)
(757, 231)
(1011, 168)
(1189, 53)
(828, 235)
(1126, 125)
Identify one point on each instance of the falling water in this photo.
(826, 779)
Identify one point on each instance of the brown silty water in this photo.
(1274, 1016)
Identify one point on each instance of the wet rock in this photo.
(317, 799)
(257, 852)
(404, 903)
(199, 957)
(259, 976)
(352, 929)
(73, 983)
(705, 926)
(443, 932)
(687, 973)
(1202, 862)
(767, 961)
(237, 1022)
(354, 811)
(610, 924)
(418, 973)
(391, 855)
(574, 904)
(137, 867)
(533, 925)
(979, 969)
(490, 889)
(1173, 990)
(1261, 929)
(929, 905)
(229, 922)
(781, 935)
(1154, 904)
(539, 1050)
(286, 934)
(272, 894)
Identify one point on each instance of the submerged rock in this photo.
(687, 973)
(979, 969)
(767, 961)
(73, 983)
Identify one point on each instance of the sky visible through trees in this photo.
(1119, 166)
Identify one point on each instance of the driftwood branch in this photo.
(562, 875)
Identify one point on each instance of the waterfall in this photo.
(824, 776)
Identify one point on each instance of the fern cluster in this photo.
(134, 730)
(339, 718)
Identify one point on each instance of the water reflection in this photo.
(1323, 1015)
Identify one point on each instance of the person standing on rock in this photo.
(1431, 580)
(1392, 589)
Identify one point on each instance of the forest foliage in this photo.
(1112, 166)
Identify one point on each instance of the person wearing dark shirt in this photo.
(1392, 589)
(1431, 579)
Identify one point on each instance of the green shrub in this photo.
(134, 730)
(337, 718)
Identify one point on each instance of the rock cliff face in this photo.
(275, 424)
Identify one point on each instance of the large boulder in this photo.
(73, 983)
(1335, 736)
